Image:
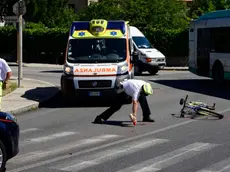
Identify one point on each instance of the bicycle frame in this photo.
(195, 106)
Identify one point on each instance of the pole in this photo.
(20, 46)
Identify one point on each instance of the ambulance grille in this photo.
(95, 84)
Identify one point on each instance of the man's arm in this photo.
(8, 75)
(7, 70)
(135, 107)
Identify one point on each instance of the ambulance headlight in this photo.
(68, 70)
(122, 68)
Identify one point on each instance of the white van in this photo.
(151, 59)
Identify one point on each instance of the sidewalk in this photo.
(172, 68)
(28, 96)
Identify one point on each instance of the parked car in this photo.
(9, 138)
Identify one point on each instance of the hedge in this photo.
(169, 42)
(51, 42)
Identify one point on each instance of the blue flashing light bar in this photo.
(85, 25)
(119, 24)
(80, 25)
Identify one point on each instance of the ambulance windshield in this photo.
(96, 50)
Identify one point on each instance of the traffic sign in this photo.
(19, 8)
(12, 19)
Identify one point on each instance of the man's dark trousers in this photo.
(119, 101)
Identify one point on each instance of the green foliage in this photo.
(31, 25)
(163, 22)
(171, 42)
(53, 41)
(200, 7)
(144, 14)
(49, 41)
(8, 39)
(52, 13)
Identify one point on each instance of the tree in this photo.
(6, 7)
(200, 7)
(142, 13)
(52, 13)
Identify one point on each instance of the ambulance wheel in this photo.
(67, 98)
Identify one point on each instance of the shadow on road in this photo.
(121, 123)
(58, 102)
(52, 71)
(198, 117)
(40, 93)
(202, 86)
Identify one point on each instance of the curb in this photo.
(175, 69)
(33, 105)
(40, 65)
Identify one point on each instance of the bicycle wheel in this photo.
(207, 112)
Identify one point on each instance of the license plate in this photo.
(94, 93)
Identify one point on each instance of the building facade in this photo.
(79, 4)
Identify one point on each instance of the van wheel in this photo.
(3, 157)
(153, 71)
(218, 73)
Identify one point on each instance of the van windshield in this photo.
(142, 42)
(100, 50)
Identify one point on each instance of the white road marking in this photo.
(32, 156)
(47, 138)
(102, 146)
(110, 154)
(222, 166)
(28, 130)
(225, 110)
(171, 158)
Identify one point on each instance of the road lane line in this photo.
(225, 110)
(32, 156)
(109, 154)
(171, 158)
(221, 166)
(103, 146)
(47, 138)
(29, 130)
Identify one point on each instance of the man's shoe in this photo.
(98, 120)
(148, 119)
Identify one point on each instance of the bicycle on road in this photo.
(196, 108)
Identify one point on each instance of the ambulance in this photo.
(150, 59)
(99, 55)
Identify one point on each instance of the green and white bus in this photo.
(209, 45)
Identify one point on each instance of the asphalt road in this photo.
(58, 138)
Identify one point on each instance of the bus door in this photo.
(192, 49)
(203, 51)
